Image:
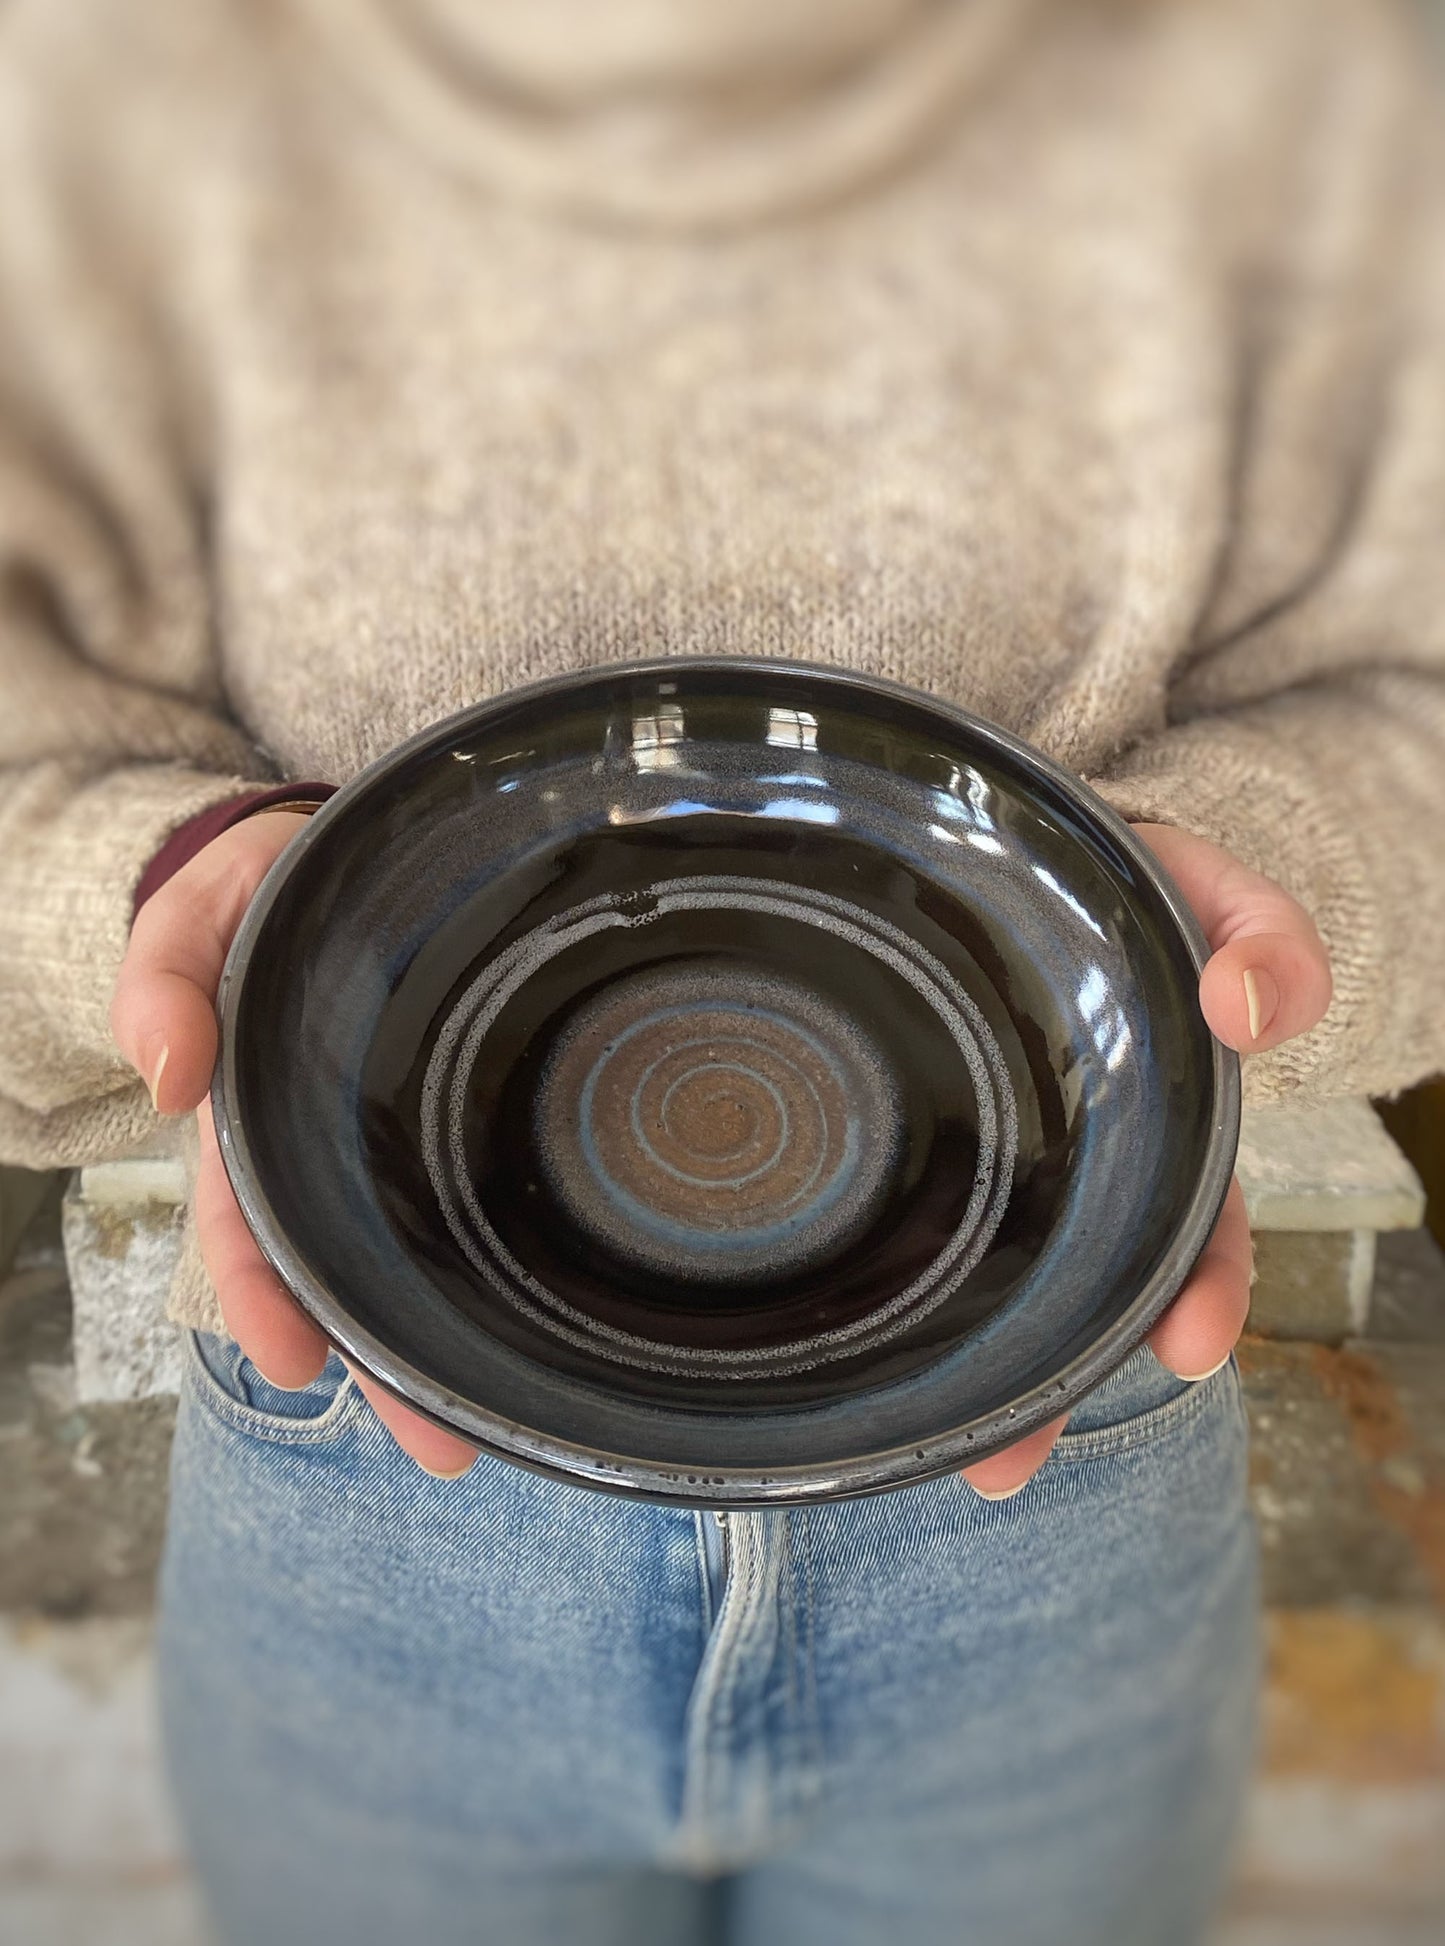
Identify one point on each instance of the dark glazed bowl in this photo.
(725, 1082)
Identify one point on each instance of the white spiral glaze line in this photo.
(474, 1014)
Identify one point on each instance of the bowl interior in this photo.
(724, 1081)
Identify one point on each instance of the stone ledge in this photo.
(140, 1179)
(120, 1251)
(1327, 1165)
(1312, 1284)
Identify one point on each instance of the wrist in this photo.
(196, 833)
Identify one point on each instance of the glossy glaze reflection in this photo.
(728, 1066)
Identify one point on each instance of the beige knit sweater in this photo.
(1084, 363)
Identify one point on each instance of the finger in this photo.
(1202, 1326)
(1269, 975)
(1003, 1474)
(1264, 988)
(442, 1454)
(163, 1013)
(286, 1347)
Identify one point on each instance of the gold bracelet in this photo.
(304, 805)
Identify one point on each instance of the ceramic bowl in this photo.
(725, 1082)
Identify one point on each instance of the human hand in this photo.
(163, 1017)
(1267, 980)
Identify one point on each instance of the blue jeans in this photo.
(505, 1710)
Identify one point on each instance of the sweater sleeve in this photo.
(1304, 730)
(113, 724)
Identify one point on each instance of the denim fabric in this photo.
(501, 1709)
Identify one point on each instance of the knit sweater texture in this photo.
(1079, 361)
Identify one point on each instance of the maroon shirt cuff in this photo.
(197, 832)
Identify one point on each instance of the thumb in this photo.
(1262, 988)
(163, 1013)
(1268, 977)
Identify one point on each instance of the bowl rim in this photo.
(672, 1483)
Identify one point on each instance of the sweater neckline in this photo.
(668, 165)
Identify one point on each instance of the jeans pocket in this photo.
(1141, 1402)
(222, 1379)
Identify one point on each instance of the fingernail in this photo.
(1261, 996)
(1198, 1378)
(1007, 1494)
(437, 1473)
(156, 1072)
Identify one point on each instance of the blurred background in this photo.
(1345, 1372)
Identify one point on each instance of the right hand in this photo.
(163, 1017)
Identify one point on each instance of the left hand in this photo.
(1268, 979)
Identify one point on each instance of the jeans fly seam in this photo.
(788, 1649)
(799, 1783)
(725, 1712)
(696, 1751)
(813, 1715)
(716, 1682)
(769, 1586)
(709, 1615)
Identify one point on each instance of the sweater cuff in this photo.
(75, 848)
(197, 832)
